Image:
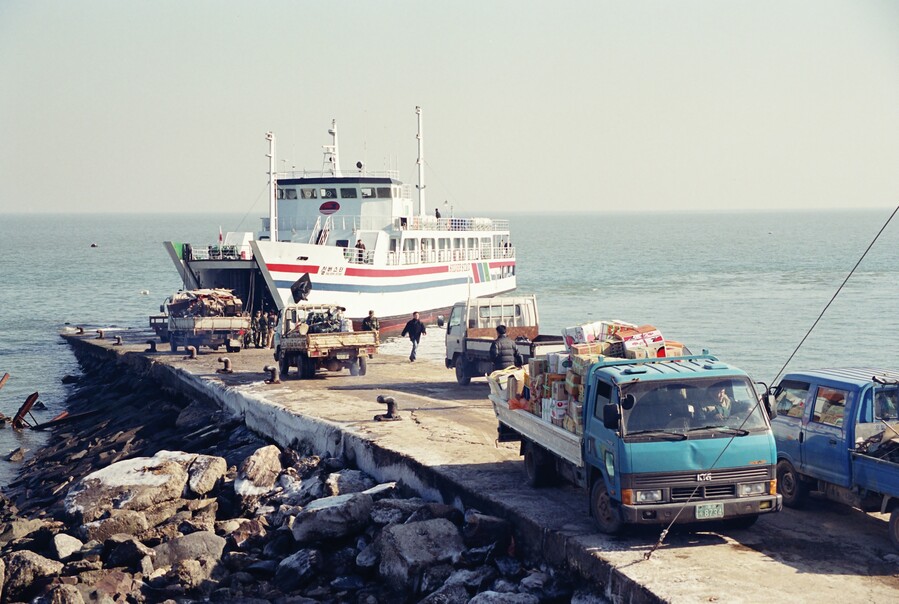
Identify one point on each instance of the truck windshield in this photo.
(710, 406)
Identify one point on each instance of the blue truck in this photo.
(683, 439)
(837, 433)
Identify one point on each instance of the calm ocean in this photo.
(747, 286)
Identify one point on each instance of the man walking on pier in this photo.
(415, 329)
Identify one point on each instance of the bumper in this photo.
(667, 512)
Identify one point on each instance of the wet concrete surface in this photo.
(445, 446)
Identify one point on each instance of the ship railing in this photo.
(217, 252)
(394, 174)
(431, 223)
(357, 256)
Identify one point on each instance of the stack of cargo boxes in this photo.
(555, 383)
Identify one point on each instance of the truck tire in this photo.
(306, 366)
(603, 509)
(359, 367)
(284, 366)
(461, 376)
(790, 485)
(894, 528)
(537, 466)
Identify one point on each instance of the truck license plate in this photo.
(706, 511)
(342, 356)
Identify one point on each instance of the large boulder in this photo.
(297, 570)
(205, 472)
(133, 484)
(202, 544)
(406, 550)
(64, 546)
(332, 517)
(18, 528)
(126, 522)
(258, 472)
(26, 573)
(495, 597)
(348, 481)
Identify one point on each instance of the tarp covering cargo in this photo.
(205, 303)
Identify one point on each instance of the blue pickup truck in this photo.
(664, 440)
(837, 433)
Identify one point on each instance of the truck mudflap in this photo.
(700, 511)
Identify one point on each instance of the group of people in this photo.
(262, 330)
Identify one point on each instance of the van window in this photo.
(791, 397)
(830, 404)
(506, 311)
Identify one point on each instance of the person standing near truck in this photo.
(414, 329)
(370, 323)
(502, 351)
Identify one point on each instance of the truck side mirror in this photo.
(770, 405)
(610, 416)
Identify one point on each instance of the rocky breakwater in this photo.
(180, 526)
(150, 498)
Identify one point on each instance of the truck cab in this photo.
(472, 329)
(683, 440)
(837, 432)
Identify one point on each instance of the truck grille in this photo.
(720, 491)
(716, 484)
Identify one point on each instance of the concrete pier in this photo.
(444, 447)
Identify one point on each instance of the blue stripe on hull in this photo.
(375, 289)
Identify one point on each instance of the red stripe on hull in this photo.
(502, 263)
(359, 272)
(393, 326)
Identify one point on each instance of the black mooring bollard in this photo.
(152, 346)
(191, 352)
(227, 368)
(100, 331)
(118, 341)
(274, 376)
(391, 414)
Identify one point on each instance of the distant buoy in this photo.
(94, 245)
(145, 292)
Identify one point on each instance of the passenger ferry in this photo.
(354, 238)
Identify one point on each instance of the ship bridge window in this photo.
(348, 193)
(308, 193)
(328, 193)
(287, 193)
(383, 192)
(367, 192)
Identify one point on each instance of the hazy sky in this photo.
(125, 106)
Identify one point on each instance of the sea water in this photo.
(746, 286)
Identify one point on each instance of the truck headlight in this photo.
(648, 496)
(752, 488)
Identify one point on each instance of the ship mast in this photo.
(273, 186)
(331, 155)
(421, 166)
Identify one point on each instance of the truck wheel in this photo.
(894, 528)
(461, 377)
(284, 366)
(537, 466)
(359, 366)
(789, 484)
(306, 367)
(604, 510)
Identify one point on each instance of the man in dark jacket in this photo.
(414, 329)
(502, 351)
